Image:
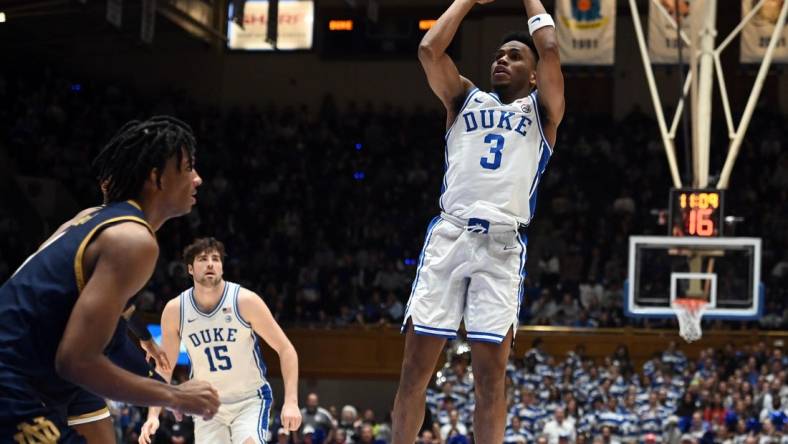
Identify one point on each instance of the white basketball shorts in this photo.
(467, 274)
(237, 422)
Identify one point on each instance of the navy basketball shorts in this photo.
(24, 418)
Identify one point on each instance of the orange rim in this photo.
(690, 304)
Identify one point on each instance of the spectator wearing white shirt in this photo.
(453, 427)
(559, 427)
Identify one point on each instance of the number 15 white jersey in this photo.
(222, 347)
(495, 156)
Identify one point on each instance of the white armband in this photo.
(539, 21)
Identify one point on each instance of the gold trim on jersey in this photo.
(78, 271)
(100, 412)
(134, 204)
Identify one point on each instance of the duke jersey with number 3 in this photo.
(495, 156)
(222, 347)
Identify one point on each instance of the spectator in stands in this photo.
(427, 437)
(559, 426)
(349, 421)
(533, 416)
(516, 433)
(367, 435)
(318, 419)
(308, 435)
(609, 435)
(341, 437)
(453, 427)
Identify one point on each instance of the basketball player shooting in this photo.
(472, 265)
(219, 323)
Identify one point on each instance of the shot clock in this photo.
(696, 212)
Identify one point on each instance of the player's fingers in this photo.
(164, 363)
(286, 422)
(144, 437)
(294, 422)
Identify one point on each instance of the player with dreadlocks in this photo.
(61, 308)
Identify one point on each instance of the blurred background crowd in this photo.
(323, 211)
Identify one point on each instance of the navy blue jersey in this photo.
(36, 302)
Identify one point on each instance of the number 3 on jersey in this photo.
(220, 351)
(497, 141)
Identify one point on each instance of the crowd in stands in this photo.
(323, 211)
(725, 396)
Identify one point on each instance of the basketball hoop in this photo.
(689, 312)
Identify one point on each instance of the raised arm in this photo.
(125, 257)
(255, 312)
(442, 74)
(549, 79)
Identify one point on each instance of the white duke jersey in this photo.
(222, 347)
(495, 156)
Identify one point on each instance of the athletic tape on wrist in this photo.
(539, 21)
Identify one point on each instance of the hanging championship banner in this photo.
(758, 31)
(586, 31)
(663, 41)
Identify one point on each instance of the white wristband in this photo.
(539, 21)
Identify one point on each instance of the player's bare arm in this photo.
(442, 74)
(170, 344)
(549, 79)
(256, 312)
(124, 256)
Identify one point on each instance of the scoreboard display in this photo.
(696, 212)
(394, 33)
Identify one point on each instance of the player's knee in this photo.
(412, 380)
(489, 381)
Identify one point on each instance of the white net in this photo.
(689, 312)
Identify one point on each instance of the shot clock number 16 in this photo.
(696, 212)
